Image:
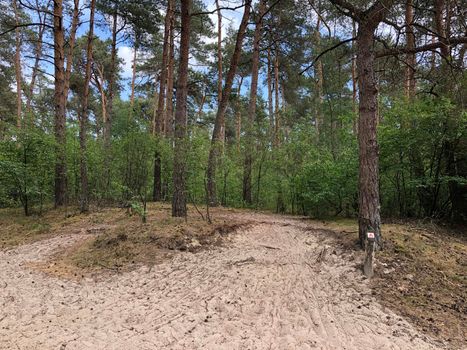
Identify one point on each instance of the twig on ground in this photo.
(269, 247)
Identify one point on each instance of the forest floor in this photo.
(247, 281)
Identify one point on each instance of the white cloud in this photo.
(126, 54)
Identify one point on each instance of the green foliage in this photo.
(422, 150)
(25, 176)
(423, 146)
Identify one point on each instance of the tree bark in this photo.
(156, 99)
(169, 118)
(354, 79)
(71, 44)
(410, 58)
(109, 103)
(276, 100)
(247, 197)
(238, 115)
(270, 105)
(369, 207)
(179, 174)
(368, 183)
(163, 76)
(133, 77)
(319, 81)
(219, 64)
(99, 80)
(35, 69)
(216, 141)
(83, 116)
(160, 117)
(440, 27)
(19, 100)
(59, 104)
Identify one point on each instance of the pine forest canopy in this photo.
(317, 108)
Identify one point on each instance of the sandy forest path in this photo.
(278, 284)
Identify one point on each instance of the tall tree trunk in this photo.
(99, 80)
(441, 28)
(59, 104)
(133, 76)
(109, 103)
(216, 141)
(270, 105)
(252, 107)
(219, 64)
(368, 183)
(411, 60)
(179, 174)
(276, 100)
(238, 115)
(369, 207)
(160, 117)
(170, 82)
(163, 76)
(354, 78)
(154, 110)
(19, 100)
(83, 116)
(71, 46)
(37, 58)
(319, 82)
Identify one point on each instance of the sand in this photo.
(278, 284)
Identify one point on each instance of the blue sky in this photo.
(125, 50)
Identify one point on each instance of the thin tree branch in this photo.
(25, 25)
(318, 13)
(427, 47)
(216, 10)
(325, 52)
